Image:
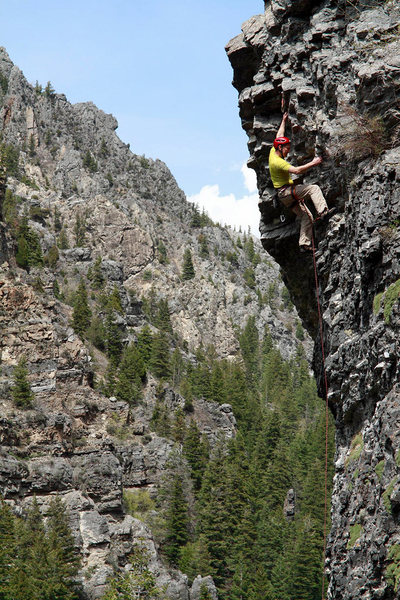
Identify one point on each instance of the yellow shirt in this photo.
(279, 170)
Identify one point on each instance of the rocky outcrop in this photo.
(336, 67)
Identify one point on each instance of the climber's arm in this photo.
(303, 168)
(281, 130)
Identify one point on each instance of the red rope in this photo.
(321, 333)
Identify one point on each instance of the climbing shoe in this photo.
(306, 249)
(327, 213)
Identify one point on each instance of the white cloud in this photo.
(250, 179)
(229, 210)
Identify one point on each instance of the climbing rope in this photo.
(321, 333)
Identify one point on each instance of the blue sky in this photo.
(159, 66)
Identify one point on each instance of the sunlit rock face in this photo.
(335, 66)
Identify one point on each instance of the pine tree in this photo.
(81, 314)
(249, 345)
(177, 521)
(177, 367)
(204, 251)
(7, 549)
(159, 363)
(45, 563)
(113, 338)
(49, 91)
(29, 251)
(161, 420)
(217, 384)
(196, 217)
(97, 279)
(21, 390)
(144, 344)
(64, 561)
(80, 230)
(188, 267)
(176, 498)
(131, 373)
(249, 249)
(163, 319)
(114, 301)
(63, 240)
(162, 253)
(57, 219)
(214, 518)
(30, 576)
(196, 450)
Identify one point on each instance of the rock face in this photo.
(71, 175)
(336, 68)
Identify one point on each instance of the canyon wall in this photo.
(335, 66)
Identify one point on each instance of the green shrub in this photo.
(89, 162)
(390, 298)
(52, 257)
(250, 277)
(138, 503)
(393, 569)
(299, 331)
(147, 275)
(144, 162)
(21, 392)
(377, 303)
(29, 251)
(356, 447)
(379, 469)
(386, 496)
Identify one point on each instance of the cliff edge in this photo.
(335, 66)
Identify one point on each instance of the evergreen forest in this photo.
(222, 510)
(38, 558)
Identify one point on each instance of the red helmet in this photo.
(280, 141)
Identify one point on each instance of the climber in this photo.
(291, 195)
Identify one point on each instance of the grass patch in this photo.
(361, 135)
(355, 533)
(393, 570)
(379, 469)
(357, 446)
(386, 496)
(391, 297)
(377, 303)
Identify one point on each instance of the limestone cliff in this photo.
(336, 66)
(70, 176)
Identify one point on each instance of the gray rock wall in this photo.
(336, 66)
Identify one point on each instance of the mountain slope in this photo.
(93, 249)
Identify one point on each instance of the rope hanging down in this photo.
(321, 333)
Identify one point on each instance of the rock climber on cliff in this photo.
(293, 195)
